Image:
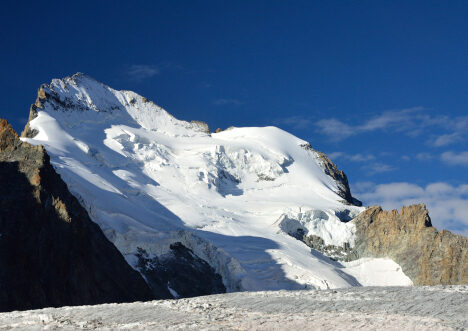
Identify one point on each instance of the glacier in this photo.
(232, 197)
(366, 308)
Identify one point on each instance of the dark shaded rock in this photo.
(51, 253)
(427, 256)
(180, 270)
(339, 176)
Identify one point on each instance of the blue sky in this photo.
(380, 86)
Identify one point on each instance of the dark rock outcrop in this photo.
(51, 253)
(339, 176)
(41, 97)
(427, 256)
(181, 270)
(337, 253)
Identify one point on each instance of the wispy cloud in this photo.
(205, 85)
(223, 102)
(370, 164)
(447, 139)
(424, 156)
(295, 122)
(359, 157)
(138, 72)
(452, 158)
(335, 129)
(399, 120)
(457, 131)
(447, 204)
(378, 168)
(410, 121)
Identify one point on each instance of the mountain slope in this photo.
(51, 253)
(234, 199)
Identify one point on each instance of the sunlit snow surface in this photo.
(149, 179)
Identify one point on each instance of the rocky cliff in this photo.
(331, 170)
(179, 272)
(427, 256)
(51, 253)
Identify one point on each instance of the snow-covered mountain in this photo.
(235, 199)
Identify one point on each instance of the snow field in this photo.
(367, 308)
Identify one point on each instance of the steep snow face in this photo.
(149, 180)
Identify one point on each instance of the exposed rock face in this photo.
(339, 176)
(182, 271)
(427, 256)
(338, 253)
(41, 97)
(51, 253)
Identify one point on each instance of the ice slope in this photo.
(149, 180)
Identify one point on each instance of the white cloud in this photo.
(140, 72)
(447, 204)
(223, 102)
(452, 158)
(397, 191)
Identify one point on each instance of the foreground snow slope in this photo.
(149, 180)
(368, 308)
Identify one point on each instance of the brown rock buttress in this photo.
(427, 256)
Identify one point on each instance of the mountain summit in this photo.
(150, 180)
(243, 206)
